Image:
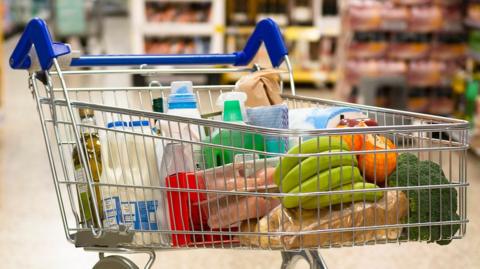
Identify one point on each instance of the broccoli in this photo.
(439, 204)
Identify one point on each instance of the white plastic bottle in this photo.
(182, 102)
(130, 160)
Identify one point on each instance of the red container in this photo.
(186, 214)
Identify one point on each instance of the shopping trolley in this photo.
(237, 204)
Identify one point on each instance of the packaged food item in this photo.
(230, 211)
(425, 19)
(262, 88)
(365, 16)
(409, 46)
(449, 47)
(394, 18)
(368, 45)
(90, 142)
(275, 116)
(320, 118)
(426, 73)
(245, 174)
(473, 12)
(389, 210)
(130, 160)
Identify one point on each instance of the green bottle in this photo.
(215, 156)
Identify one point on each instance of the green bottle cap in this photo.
(158, 104)
(232, 111)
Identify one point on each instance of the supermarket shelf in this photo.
(310, 33)
(472, 23)
(179, 29)
(300, 76)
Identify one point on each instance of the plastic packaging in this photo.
(182, 102)
(218, 156)
(130, 160)
(272, 117)
(241, 97)
(389, 210)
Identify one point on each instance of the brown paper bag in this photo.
(391, 209)
(262, 88)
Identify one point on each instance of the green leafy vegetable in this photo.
(426, 205)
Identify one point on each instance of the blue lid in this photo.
(182, 96)
(128, 124)
(117, 124)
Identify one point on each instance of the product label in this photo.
(137, 215)
(83, 194)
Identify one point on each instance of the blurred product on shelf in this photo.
(409, 46)
(377, 15)
(448, 47)
(179, 45)
(356, 69)
(473, 11)
(474, 40)
(368, 45)
(425, 19)
(426, 73)
(179, 12)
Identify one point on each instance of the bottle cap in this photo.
(182, 95)
(232, 111)
(85, 112)
(158, 105)
(229, 96)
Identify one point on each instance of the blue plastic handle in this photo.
(36, 33)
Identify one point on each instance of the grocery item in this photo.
(157, 106)
(241, 97)
(227, 210)
(368, 45)
(275, 116)
(367, 195)
(231, 210)
(183, 102)
(90, 142)
(242, 175)
(355, 141)
(426, 205)
(389, 210)
(365, 16)
(376, 167)
(313, 145)
(262, 88)
(320, 118)
(130, 160)
(218, 156)
(394, 18)
(409, 46)
(425, 18)
(315, 165)
(325, 181)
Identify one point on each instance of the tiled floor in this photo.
(31, 234)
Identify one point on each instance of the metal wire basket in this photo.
(122, 187)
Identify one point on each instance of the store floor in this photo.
(31, 233)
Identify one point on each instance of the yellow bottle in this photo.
(90, 142)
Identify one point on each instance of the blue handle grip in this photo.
(36, 33)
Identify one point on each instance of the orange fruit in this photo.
(377, 166)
